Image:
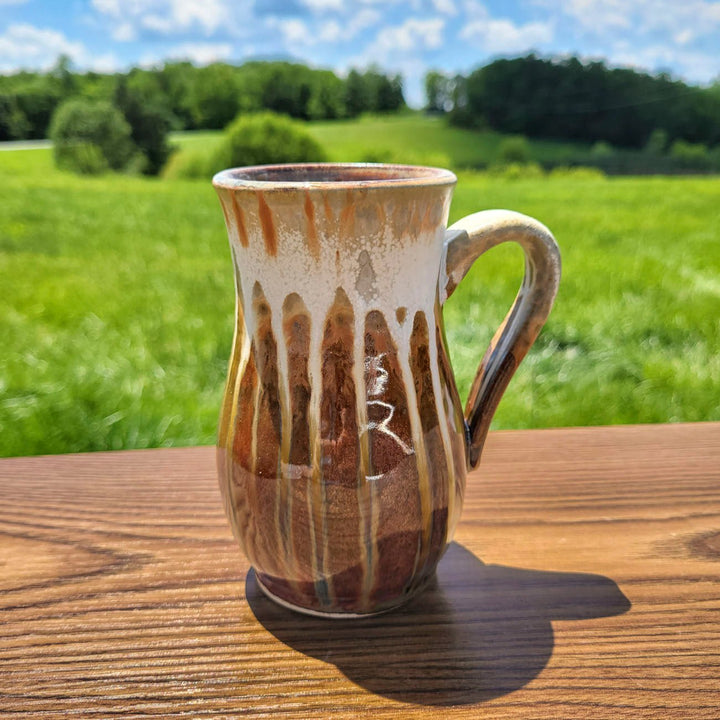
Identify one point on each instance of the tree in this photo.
(89, 137)
(589, 102)
(176, 81)
(190, 97)
(327, 99)
(438, 92)
(372, 91)
(215, 97)
(389, 93)
(357, 96)
(13, 123)
(62, 75)
(149, 121)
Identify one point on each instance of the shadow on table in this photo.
(479, 632)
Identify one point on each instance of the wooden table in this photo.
(583, 583)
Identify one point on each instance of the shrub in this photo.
(84, 158)
(91, 136)
(602, 149)
(691, 156)
(187, 164)
(515, 149)
(657, 142)
(714, 155)
(578, 172)
(429, 158)
(516, 171)
(265, 138)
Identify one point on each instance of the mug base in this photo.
(333, 615)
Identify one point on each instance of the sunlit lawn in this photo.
(412, 138)
(117, 299)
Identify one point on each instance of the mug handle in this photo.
(465, 241)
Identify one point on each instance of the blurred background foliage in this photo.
(116, 310)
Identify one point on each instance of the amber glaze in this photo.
(342, 448)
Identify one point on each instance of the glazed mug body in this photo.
(342, 447)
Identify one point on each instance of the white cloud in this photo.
(123, 32)
(400, 49)
(648, 34)
(684, 37)
(694, 65)
(447, 7)
(413, 35)
(333, 31)
(595, 15)
(330, 32)
(504, 36)
(26, 46)
(367, 17)
(201, 53)
(166, 17)
(293, 30)
(696, 16)
(106, 63)
(603, 17)
(297, 32)
(323, 5)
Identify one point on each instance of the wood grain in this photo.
(584, 583)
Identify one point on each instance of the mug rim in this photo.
(329, 176)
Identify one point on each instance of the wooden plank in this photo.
(583, 583)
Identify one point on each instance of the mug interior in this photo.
(328, 175)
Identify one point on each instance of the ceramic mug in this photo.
(343, 448)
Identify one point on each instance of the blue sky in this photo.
(409, 36)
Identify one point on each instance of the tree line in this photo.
(185, 97)
(570, 100)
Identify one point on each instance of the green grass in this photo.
(635, 331)
(418, 138)
(411, 137)
(116, 309)
(115, 312)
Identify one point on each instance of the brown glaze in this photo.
(347, 216)
(393, 465)
(295, 444)
(437, 458)
(223, 196)
(268, 225)
(391, 436)
(329, 216)
(240, 220)
(335, 500)
(296, 328)
(338, 426)
(269, 494)
(458, 439)
(312, 238)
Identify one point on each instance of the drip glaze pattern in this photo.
(342, 442)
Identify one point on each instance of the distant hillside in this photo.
(430, 140)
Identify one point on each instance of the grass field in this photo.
(411, 138)
(117, 299)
